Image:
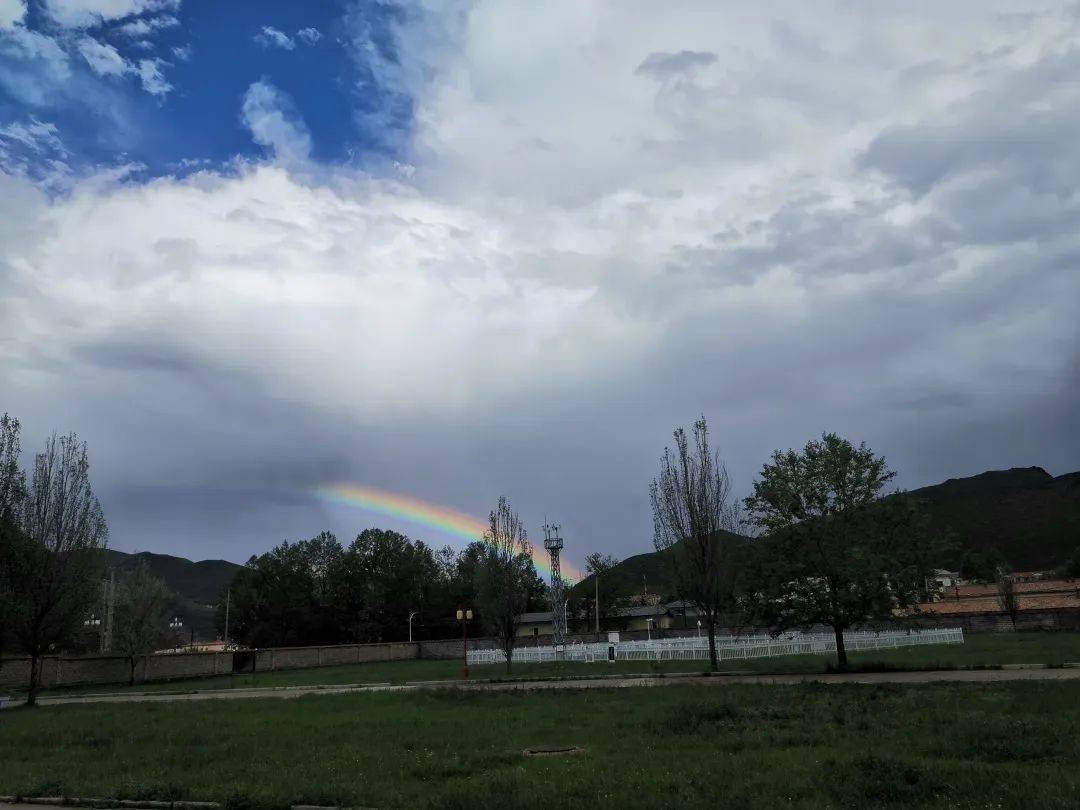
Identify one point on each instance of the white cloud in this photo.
(270, 37)
(34, 69)
(103, 58)
(87, 13)
(182, 52)
(144, 26)
(11, 12)
(269, 114)
(309, 36)
(153, 80)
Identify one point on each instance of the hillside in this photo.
(633, 576)
(198, 585)
(1028, 515)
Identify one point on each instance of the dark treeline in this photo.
(319, 591)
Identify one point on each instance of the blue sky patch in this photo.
(163, 87)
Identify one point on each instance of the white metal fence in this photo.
(727, 647)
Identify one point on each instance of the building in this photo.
(943, 579)
(1042, 594)
(534, 625)
(647, 617)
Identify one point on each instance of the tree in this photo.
(983, 566)
(835, 552)
(1071, 568)
(505, 575)
(694, 519)
(12, 492)
(142, 605)
(279, 598)
(1006, 595)
(56, 557)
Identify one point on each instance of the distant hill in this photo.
(634, 575)
(198, 585)
(1028, 515)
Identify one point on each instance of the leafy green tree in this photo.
(695, 518)
(505, 576)
(141, 617)
(983, 566)
(54, 560)
(1071, 568)
(397, 577)
(834, 551)
(278, 597)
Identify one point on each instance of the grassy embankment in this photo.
(958, 745)
(977, 651)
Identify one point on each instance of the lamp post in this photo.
(699, 628)
(648, 626)
(410, 625)
(465, 616)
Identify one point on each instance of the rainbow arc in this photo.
(443, 519)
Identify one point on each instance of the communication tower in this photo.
(553, 543)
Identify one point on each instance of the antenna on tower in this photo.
(553, 543)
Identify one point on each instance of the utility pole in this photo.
(596, 605)
(109, 587)
(228, 601)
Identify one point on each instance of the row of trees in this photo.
(318, 591)
(818, 542)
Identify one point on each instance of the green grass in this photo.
(977, 650)
(957, 745)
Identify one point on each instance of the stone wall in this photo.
(304, 657)
(104, 669)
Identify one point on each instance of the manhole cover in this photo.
(553, 751)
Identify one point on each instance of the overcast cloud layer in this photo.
(601, 222)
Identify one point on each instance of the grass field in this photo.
(977, 650)
(957, 745)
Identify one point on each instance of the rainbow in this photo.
(433, 516)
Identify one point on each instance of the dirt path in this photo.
(937, 676)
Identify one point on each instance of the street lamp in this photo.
(648, 626)
(465, 616)
(699, 628)
(410, 625)
(93, 621)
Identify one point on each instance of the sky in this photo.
(449, 251)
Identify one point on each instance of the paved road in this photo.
(962, 676)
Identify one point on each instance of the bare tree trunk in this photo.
(841, 652)
(713, 662)
(35, 675)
